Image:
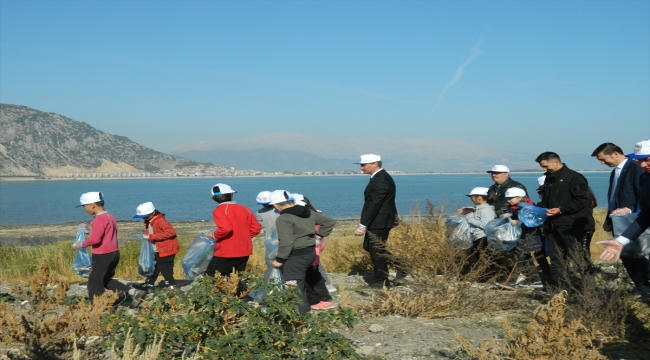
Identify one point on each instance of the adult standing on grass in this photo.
(378, 216)
(623, 197)
(106, 254)
(613, 247)
(570, 219)
(502, 182)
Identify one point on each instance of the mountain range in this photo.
(36, 143)
(295, 152)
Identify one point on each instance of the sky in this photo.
(526, 76)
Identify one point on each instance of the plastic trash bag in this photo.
(271, 243)
(458, 232)
(502, 236)
(198, 256)
(146, 260)
(531, 215)
(82, 260)
(275, 282)
(635, 248)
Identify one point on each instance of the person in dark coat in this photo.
(623, 198)
(497, 192)
(570, 220)
(378, 217)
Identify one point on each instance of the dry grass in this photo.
(130, 352)
(44, 325)
(548, 336)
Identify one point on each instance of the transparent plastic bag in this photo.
(531, 215)
(198, 256)
(274, 281)
(458, 232)
(271, 243)
(146, 260)
(502, 236)
(635, 248)
(82, 260)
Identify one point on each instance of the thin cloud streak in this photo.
(459, 72)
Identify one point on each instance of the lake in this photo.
(189, 199)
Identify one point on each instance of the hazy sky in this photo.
(520, 75)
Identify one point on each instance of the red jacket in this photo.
(163, 235)
(236, 226)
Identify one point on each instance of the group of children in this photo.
(507, 266)
(301, 231)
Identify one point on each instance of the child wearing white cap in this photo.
(236, 227)
(477, 218)
(163, 235)
(105, 254)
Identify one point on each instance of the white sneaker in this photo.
(330, 288)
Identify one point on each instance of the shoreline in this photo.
(10, 179)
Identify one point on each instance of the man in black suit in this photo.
(623, 198)
(378, 216)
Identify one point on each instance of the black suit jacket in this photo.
(628, 187)
(379, 210)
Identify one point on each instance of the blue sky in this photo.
(525, 76)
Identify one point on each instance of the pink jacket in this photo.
(103, 234)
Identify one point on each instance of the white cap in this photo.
(263, 198)
(90, 198)
(515, 191)
(641, 150)
(368, 158)
(299, 199)
(221, 189)
(144, 210)
(279, 196)
(479, 191)
(541, 179)
(499, 169)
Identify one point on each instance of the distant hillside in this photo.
(295, 152)
(35, 143)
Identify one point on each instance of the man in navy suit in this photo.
(378, 216)
(623, 198)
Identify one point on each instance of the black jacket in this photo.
(379, 210)
(642, 221)
(500, 204)
(567, 190)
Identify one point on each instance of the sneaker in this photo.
(520, 279)
(136, 298)
(324, 305)
(172, 287)
(150, 289)
(331, 288)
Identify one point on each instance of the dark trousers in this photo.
(226, 266)
(374, 243)
(316, 289)
(165, 266)
(101, 276)
(565, 244)
(294, 271)
(638, 269)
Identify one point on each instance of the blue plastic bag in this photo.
(502, 236)
(531, 215)
(198, 256)
(458, 232)
(146, 260)
(82, 260)
(635, 248)
(275, 281)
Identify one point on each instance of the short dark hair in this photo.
(379, 163)
(548, 156)
(607, 149)
(99, 203)
(222, 198)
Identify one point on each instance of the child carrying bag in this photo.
(458, 232)
(146, 260)
(198, 256)
(502, 236)
(82, 261)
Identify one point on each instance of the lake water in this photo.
(189, 199)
